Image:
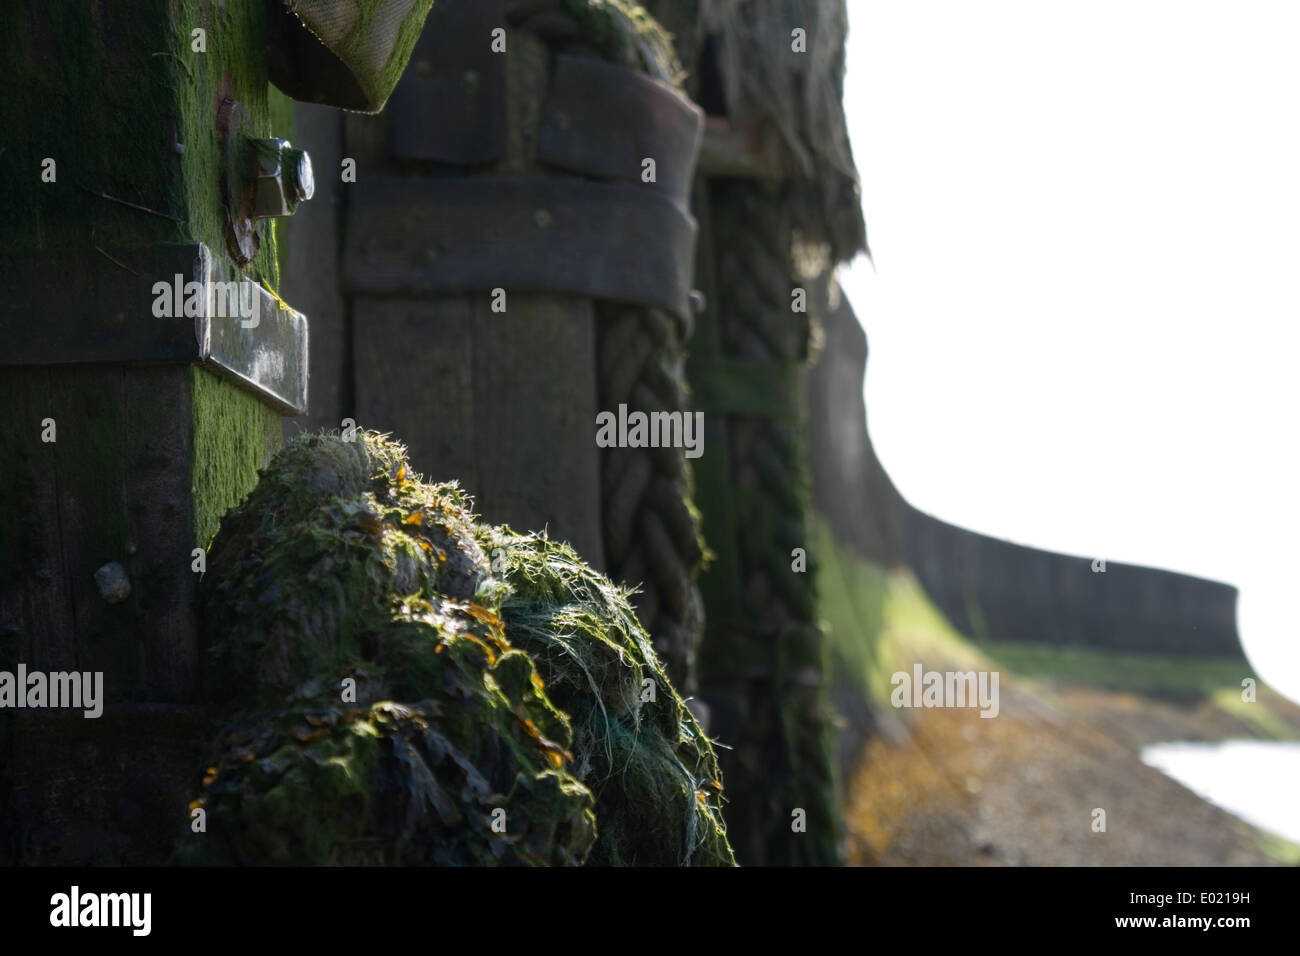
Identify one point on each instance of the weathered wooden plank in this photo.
(160, 528)
(99, 307)
(450, 105)
(116, 98)
(414, 373)
(91, 415)
(535, 405)
(36, 620)
(111, 790)
(365, 140)
(606, 120)
(462, 385)
(602, 240)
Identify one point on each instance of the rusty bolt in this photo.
(282, 177)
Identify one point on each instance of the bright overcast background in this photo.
(1085, 219)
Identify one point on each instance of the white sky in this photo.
(1083, 327)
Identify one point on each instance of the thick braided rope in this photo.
(753, 235)
(776, 719)
(651, 536)
(650, 528)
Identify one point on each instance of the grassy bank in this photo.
(943, 786)
(879, 621)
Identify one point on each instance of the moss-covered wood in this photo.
(122, 104)
(761, 667)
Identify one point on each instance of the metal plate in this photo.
(623, 243)
(450, 105)
(127, 304)
(605, 120)
(269, 358)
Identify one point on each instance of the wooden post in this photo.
(113, 159)
(518, 253)
(495, 389)
(778, 194)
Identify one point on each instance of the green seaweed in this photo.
(639, 747)
(521, 671)
(623, 32)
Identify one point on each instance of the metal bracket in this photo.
(156, 303)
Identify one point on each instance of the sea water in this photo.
(1256, 780)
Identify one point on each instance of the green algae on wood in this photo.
(111, 103)
(233, 430)
(527, 670)
(234, 434)
(120, 102)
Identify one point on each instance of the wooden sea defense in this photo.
(517, 258)
(779, 204)
(416, 687)
(989, 589)
(146, 362)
